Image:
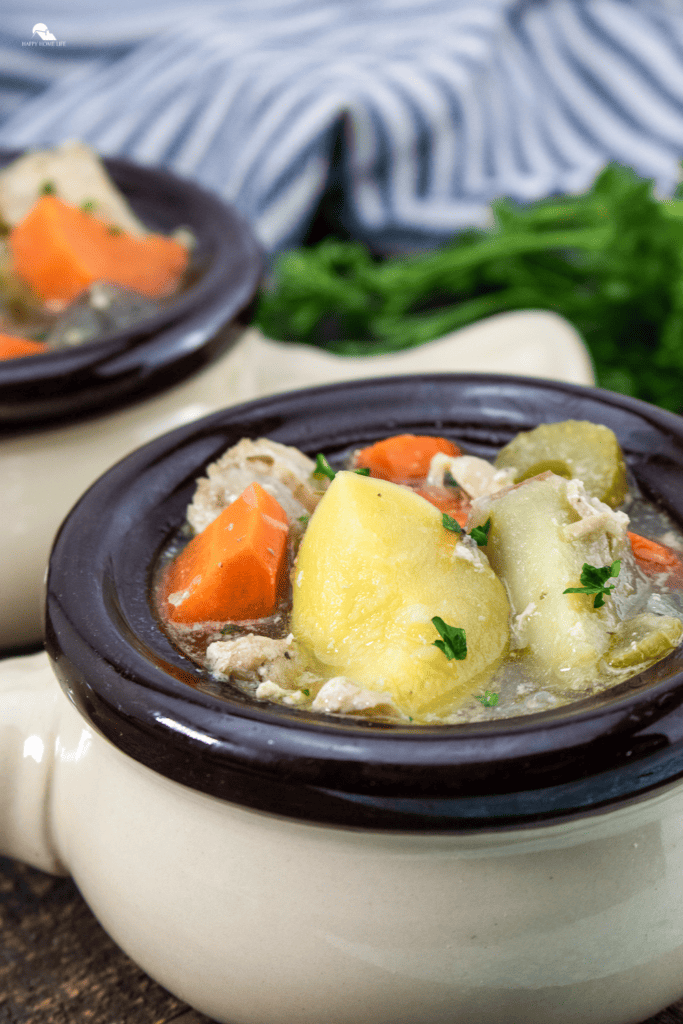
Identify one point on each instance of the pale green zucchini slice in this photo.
(643, 640)
(575, 449)
(530, 549)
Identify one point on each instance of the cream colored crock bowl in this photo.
(67, 415)
(269, 865)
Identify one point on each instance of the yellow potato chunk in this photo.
(375, 566)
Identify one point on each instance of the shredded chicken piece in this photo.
(268, 690)
(518, 624)
(477, 477)
(255, 658)
(595, 515)
(283, 471)
(344, 697)
(469, 550)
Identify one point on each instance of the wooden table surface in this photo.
(57, 966)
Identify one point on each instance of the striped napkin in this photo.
(403, 118)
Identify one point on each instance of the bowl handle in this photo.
(32, 707)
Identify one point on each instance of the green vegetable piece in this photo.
(574, 449)
(489, 698)
(363, 471)
(48, 188)
(643, 640)
(454, 642)
(449, 480)
(323, 468)
(594, 579)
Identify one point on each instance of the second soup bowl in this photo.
(68, 414)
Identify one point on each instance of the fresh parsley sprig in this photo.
(454, 642)
(594, 579)
(480, 534)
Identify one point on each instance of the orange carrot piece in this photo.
(654, 557)
(59, 250)
(15, 348)
(454, 503)
(403, 457)
(233, 569)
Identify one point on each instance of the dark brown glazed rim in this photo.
(186, 335)
(129, 682)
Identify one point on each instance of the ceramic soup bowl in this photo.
(267, 864)
(67, 415)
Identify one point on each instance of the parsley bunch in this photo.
(610, 261)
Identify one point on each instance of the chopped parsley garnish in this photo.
(480, 534)
(306, 693)
(451, 524)
(323, 468)
(454, 642)
(449, 480)
(48, 188)
(303, 520)
(594, 579)
(114, 229)
(489, 698)
(229, 627)
(89, 206)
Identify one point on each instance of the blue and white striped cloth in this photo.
(414, 113)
